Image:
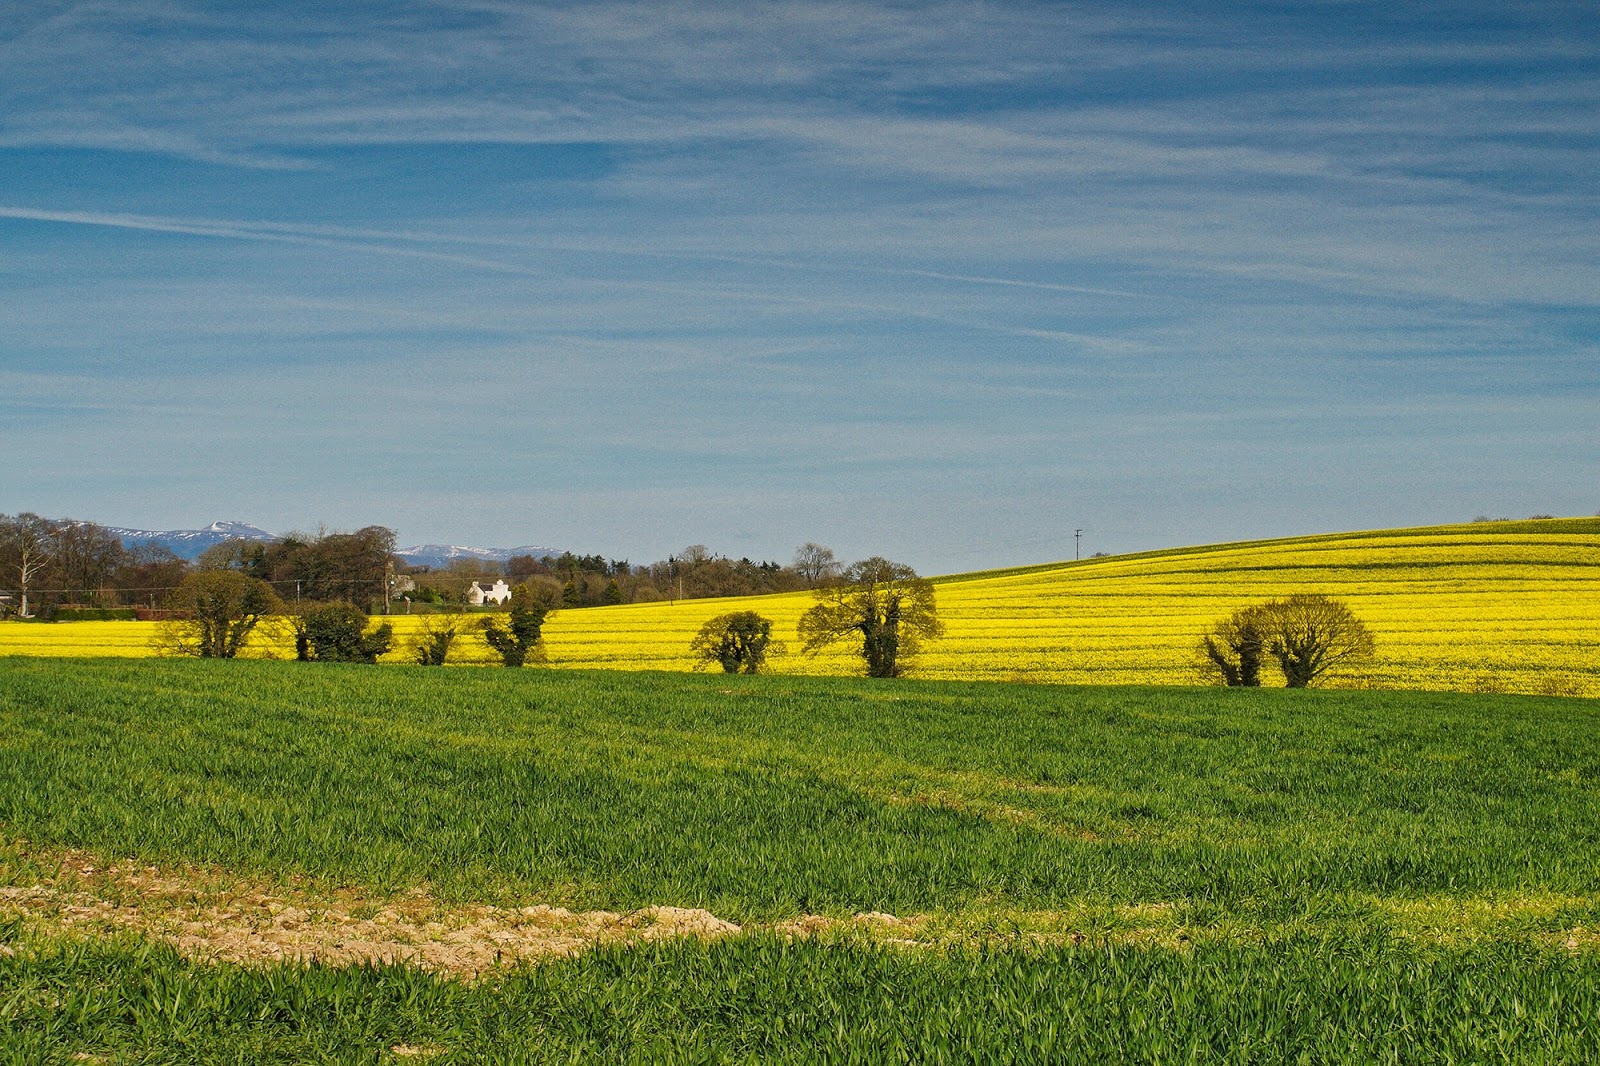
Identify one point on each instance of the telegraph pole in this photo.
(1077, 539)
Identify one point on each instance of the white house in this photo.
(499, 592)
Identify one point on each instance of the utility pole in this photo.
(1077, 540)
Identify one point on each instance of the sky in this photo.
(944, 282)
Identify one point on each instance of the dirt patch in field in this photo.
(211, 913)
(876, 925)
(206, 914)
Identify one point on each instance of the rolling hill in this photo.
(1488, 607)
(1498, 606)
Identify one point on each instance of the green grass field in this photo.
(761, 999)
(1213, 875)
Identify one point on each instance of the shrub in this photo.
(439, 632)
(219, 610)
(337, 633)
(520, 639)
(739, 641)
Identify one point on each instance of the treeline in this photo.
(356, 568)
(52, 564)
(48, 565)
(570, 580)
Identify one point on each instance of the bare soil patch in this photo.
(206, 913)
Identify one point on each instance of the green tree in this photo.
(337, 633)
(884, 605)
(220, 609)
(521, 636)
(1234, 648)
(1311, 634)
(739, 641)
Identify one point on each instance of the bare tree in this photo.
(87, 557)
(26, 543)
(815, 563)
(695, 555)
(1311, 634)
(885, 605)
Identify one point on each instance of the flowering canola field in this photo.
(1504, 606)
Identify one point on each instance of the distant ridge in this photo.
(439, 556)
(190, 543)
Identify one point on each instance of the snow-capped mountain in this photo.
(189, 543)
(439, 556)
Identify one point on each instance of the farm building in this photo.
(499, 592)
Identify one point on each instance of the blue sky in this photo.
(938, 281)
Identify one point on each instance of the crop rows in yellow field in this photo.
(1509, 607)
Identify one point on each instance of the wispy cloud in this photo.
(1080, 251)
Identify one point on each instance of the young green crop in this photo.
(762, 999)
(762, 797)
(1161, 874)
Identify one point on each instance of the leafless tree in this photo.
(694, 555)
(26, 548)
(1311, 634)
(87, 557)
(815, 563)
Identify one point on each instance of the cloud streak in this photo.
(1051, 249)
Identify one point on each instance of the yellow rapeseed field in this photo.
(1511, 607)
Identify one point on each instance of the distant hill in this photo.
(190, 543)
(1489, 607)
(439, 556)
